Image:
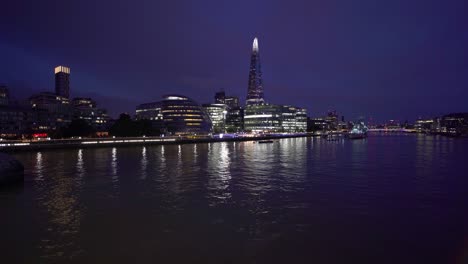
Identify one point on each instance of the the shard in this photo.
(255, 89)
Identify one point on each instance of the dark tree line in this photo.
(123, 127)
(126, 127)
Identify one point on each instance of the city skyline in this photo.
(386, 63)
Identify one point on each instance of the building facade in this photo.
(16, 122)
(268, 118)
(149, 111)
(176, 115)
(262, 118)
(62, 81)
(218, 115)
(86, 109)
(235, 120)
(58, 108)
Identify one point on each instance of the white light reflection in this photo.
(179, 155)
(115, 178)
(219, 170)
(144, 164)
(39, 167)
(80, 164)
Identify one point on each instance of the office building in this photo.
(218, 115)
(59, 109)
(153, 113)
(423, 125)
(231, 101)
(220, 97)
(149, 111)
(316, 124)
(332, 120)
(16, 121)
(62, 81)
(86, 109)
(262, 118)
(301, 119)
(235, 120)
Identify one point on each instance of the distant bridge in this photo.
(385, 130)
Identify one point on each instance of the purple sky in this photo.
(395, 59)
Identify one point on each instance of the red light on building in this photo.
(40, 135)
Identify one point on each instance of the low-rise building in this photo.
(60, 111)
(16, 121)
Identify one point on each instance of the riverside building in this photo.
(86, 109)
(217, 114)
(177, 115)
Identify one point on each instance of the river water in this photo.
(387, 199)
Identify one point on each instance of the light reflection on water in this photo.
(284, 198)
(144, 164)
(114, 167)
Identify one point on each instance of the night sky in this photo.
(394, 59)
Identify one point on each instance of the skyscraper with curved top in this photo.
(255, 90)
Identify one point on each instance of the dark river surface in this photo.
(386, 199)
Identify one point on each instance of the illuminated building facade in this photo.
(332, 120)
(16, 121)
(217, 114)
(59, 109)
(86, 109)
(231, 101)
(301, 119)
(62, 81)
(235, 120)
(153, 113)
(316, 124)
(255, 86)
(454, 124)
(182, 115)
(275, 118)
(149, 111)
(263, 118)
(294, 119)
(424, 125)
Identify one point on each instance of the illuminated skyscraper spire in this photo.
(255, 89)
(255, 45)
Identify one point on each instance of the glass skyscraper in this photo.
(255, 90)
